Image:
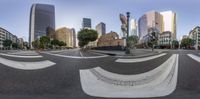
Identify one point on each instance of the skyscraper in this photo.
(151, 19)
(42, 16)
(86, 23)
(101, 28)
(73, 37)
(169, 22)
(64, 34)
(133, 27)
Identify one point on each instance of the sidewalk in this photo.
(136, 52)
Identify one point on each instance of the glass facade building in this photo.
(73, 37)
(169, 22)
(42, 16)
(133, 27)
(151, 19)
(101, 28)
(86, 23)
(142, 26)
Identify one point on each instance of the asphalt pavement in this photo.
(62, 80)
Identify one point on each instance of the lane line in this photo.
(144, 55)
(25, 53)
(163, 84)
(139, 59)
(19, 56)
(81, 54)
(75, 57)
(196, 58)
(26, 65)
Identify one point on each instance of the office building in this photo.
(64, 34)
(133, 28)
(6, 35)
(185, 36)
(194, 34)
(110, 39)
(169, 22)
(3, 33)
(151, 19)
(42, 17)
(165, 39)
(86, 23)
(101, 29)
(21, 43)
(73, 37)
(14, 39)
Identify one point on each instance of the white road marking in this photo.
(76, 57)
(155, 83)
(139, 59)
(19, 56)
(26, 65)
(31, 53)
(194, 57)
(144, 55)
(81, 54)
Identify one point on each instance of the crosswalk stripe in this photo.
(194, 57)
(26, 65)
(108, 84)
(21, 56)
(75, 57)
(139, 59)
(31, 53)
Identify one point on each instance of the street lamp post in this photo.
(127, 45)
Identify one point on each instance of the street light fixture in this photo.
(127, 44)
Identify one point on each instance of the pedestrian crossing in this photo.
(21, 55)
(139, 59)
(99, 81)
(25, 65)
(194, 57)
(79, 56)
(158, 82)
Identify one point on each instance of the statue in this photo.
(123, 20)
(124, 24)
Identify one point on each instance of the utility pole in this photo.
(127, 45)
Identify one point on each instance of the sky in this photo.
(15, 14)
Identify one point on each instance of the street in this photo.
(57, 74)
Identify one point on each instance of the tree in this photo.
(7, 43)
(54, 43)
(15, 45)
(44, 41)
(81, 44)
(133, 40)
(86, 35)
(186, 42)
(175, 44)
(26, 45)
(36, 44)
(61, 43)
